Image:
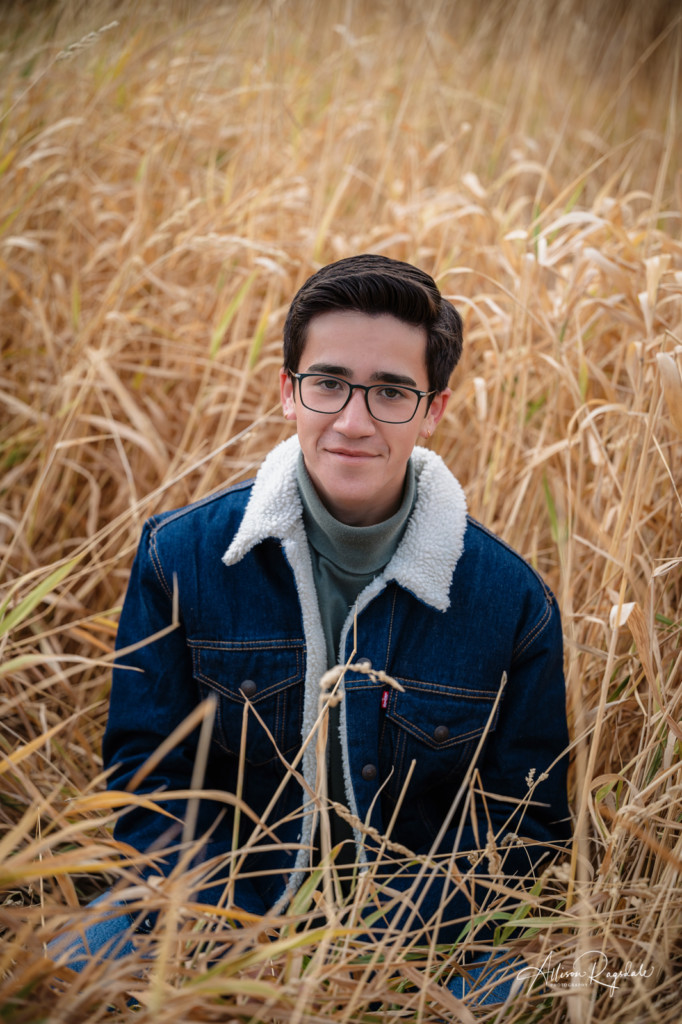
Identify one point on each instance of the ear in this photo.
(286, 392)
(435, 413)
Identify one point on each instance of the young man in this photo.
(351, 546)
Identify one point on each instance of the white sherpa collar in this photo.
(274, 508)
(428, 553)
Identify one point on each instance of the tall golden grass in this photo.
(169, 174)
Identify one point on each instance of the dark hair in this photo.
(374, 285)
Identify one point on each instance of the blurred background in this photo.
(170, 173)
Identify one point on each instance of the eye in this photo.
(328, 384)
(389, 393)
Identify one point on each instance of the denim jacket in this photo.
(464, 625)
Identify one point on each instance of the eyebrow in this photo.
(381, 376)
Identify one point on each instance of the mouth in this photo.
(351, 453)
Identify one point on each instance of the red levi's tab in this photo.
(384, 699)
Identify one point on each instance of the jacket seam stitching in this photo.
(158, 568)
(390, 629)
(512, 551)
(453, 691)
(171, 517)
(228, 646)
(536, 631)
(410, 728)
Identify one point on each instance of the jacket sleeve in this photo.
(514, 812)
(152, 693)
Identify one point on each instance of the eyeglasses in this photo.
(388, 403)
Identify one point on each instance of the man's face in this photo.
(357, 463)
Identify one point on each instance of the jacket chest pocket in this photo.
(266, 674)
(436, 726)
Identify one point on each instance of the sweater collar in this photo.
(354, 549)
(427, 554)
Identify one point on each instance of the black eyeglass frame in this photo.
(360, 387)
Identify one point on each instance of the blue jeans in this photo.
(497, 979)
(109, 937)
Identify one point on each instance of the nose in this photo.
(354, 420)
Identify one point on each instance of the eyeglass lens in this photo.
(386, 402)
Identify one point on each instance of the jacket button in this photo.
(248, 688)
(441, 733)
(365, 662)
(369, 772)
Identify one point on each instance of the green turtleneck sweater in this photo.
(345, 559)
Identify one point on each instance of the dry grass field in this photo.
(169, 174)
